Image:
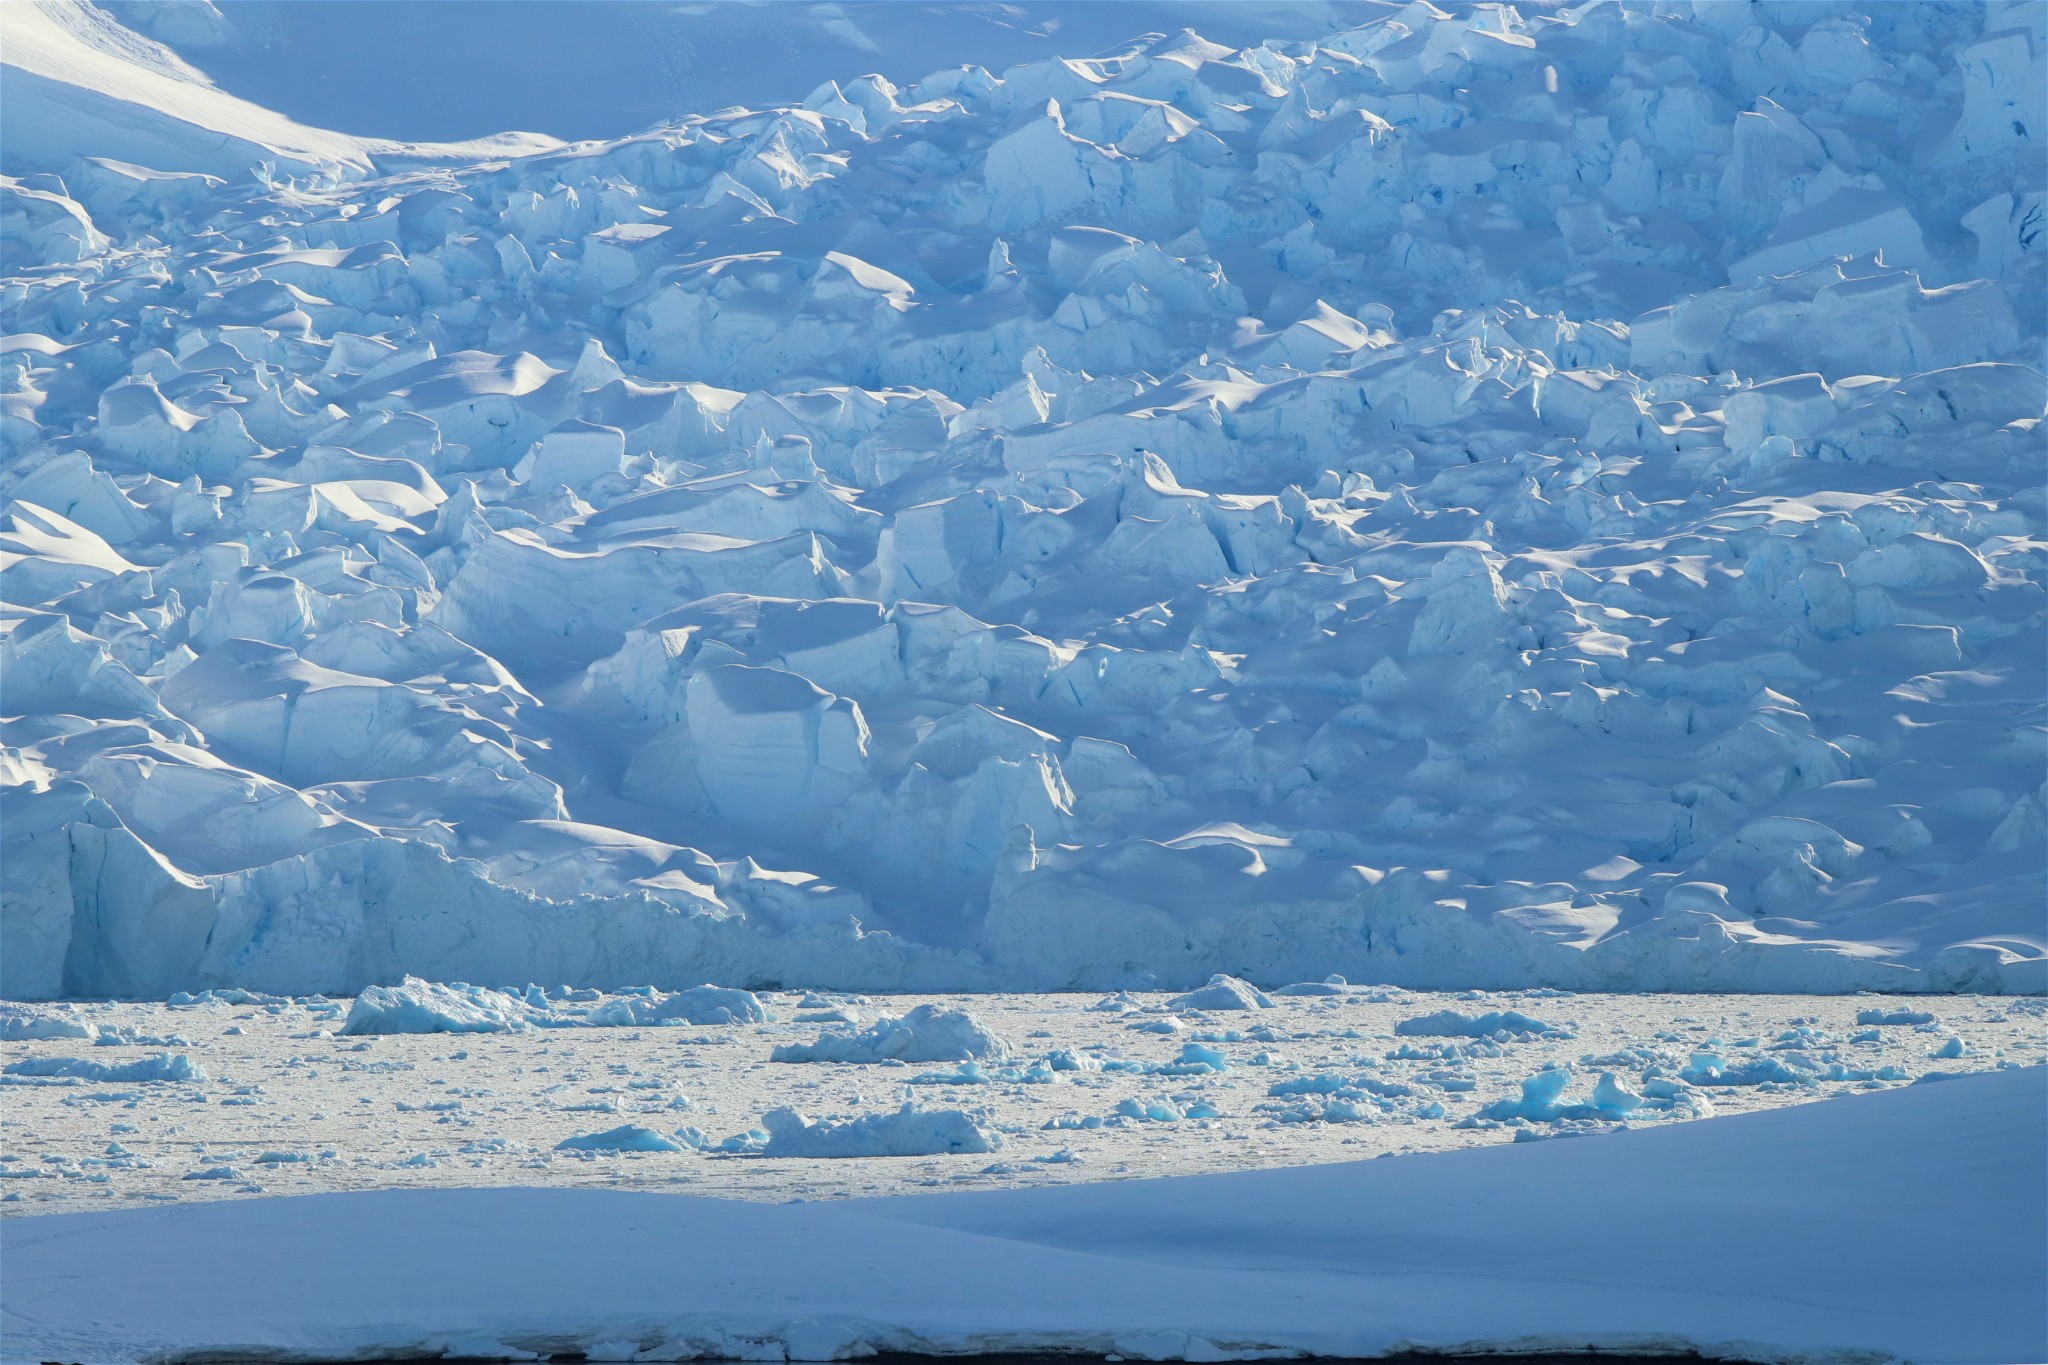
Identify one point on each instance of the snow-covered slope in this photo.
(78, 83)
(605, 68)
(1477, 499)
(1905, 1226)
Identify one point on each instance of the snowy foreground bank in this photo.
(1474, 499)
(1903, 1226)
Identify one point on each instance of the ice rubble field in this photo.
(1491, 499)
(231, 1095)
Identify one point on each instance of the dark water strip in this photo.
(1591, 1356)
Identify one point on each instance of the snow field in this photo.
(280, 1101)
(1868, 1230)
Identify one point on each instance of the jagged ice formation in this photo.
(1485, 498)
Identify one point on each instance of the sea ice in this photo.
(1311, 1073)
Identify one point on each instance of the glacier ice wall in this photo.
(1478, 499)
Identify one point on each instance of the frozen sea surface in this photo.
(287, 1104)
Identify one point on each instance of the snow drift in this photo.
(1900, 1226)
(1471, 499)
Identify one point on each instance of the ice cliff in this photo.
(1483, 498)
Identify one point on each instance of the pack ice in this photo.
(1478, 498)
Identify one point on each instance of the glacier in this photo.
(1477, 497)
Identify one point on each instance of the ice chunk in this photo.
(929, 1033)
(697, 1005)
(967, 1073)
(1330, 985)
(1224, 992)
(1157, 1109)
(1711, 1068)
(1540, 1099)
(1195, 1058)
(576, 454)
(19, 1026)
(43, 555)
(169, 1066)
(1899, 1016)
(625, 1138)
(1795, 406)
(1853, 222)
(764, 738)
(415, 1006)
(1452, 1024)
(1613, 1097)
(910, 1131)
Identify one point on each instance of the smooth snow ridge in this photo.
(1479, 499)
(78, 83)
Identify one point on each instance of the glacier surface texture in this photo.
(1482, 498)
